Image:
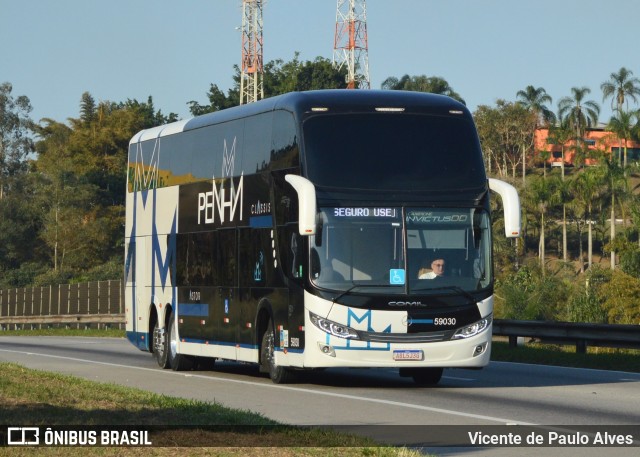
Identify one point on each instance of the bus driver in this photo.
(437, 269)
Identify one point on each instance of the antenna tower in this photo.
(350, 46)
(252, 71)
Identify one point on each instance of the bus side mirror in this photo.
(511, 203)
(306, 203)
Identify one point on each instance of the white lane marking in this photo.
(458, 379)
(628, 373)
(289, 388)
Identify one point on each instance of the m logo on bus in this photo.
(225, 193)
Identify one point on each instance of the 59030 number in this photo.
(444, 321)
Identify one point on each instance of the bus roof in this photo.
(333, 100)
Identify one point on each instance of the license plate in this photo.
(408, 354)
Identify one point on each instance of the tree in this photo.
(145, 112)
(64, 191)
(587, 188)
(422, 83)
(217, 101)
(585, 303)
(320, 74)
(20, 221)
(87, 108)
(534, 100)
(579, 113)
(620, 298)
(563, 195)
(623, 125)
(543, 193)
(561, 133)
(280, 77)
(15, 142)
(81, 186)
(620, 87)
(505, 132)
(616, 184)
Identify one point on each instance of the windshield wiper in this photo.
(345, 292)
(460, 290)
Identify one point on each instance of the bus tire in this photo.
(426, 376)
(279, 375)
(178, 362)
(160, 345)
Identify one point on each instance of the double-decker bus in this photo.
(296, 233)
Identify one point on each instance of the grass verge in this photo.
(31, 397)
(566, 356)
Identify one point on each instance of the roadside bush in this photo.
(530, 295)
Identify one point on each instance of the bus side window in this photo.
(227, 259)
(315, 264)
(284, 143)
(182, 261)
(296, 255)
(291, 252)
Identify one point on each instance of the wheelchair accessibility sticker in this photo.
(396, 277)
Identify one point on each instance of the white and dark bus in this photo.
(293, 233)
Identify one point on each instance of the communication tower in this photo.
(251, 71)
(350, 46)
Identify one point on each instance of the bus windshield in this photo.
(406, 152)
(402, 250)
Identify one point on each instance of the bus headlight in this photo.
(473, 329)
(333, 328)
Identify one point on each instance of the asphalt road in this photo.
(372, 402)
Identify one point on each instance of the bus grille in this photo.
(425, 337)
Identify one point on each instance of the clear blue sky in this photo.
(54, 50)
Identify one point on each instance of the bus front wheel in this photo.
(278, 374)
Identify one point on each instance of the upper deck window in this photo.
(393, 151)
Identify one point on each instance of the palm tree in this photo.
(542, 192)
(587, 187)
(616, 185)
(623, 126)
(563, 194)
(534, 99)
(621, 85)
(579, 113)
(560, 133)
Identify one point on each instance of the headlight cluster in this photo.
(473, 329)
(333, 328)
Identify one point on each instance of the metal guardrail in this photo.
(94, 303)
(67, 319)
(580, 334)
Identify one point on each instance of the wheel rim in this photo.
(172, 340)
(159, 341)
(271, 357)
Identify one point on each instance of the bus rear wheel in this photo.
(278, 374)
(160, 345)
(178, 362)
